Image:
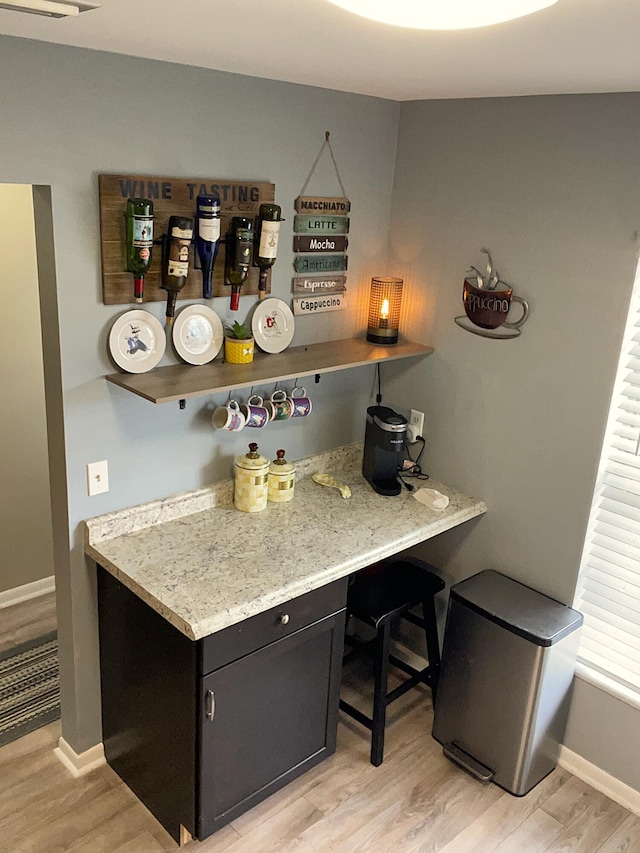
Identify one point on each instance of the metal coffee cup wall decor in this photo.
(488, 302)
(321, 226)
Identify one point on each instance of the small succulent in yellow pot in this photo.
(238, 344)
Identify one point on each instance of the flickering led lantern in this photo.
(384, 310)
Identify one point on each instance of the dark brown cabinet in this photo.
(203, 730)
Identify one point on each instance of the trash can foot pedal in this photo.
(467, 762)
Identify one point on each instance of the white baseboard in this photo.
(599, 779)
(79, 764)
(27, 591)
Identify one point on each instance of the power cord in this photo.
(413, 470)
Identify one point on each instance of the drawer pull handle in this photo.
(211, 704)
(284, 619)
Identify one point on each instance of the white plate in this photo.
(137, 341)
(272, 325)
(197, 334)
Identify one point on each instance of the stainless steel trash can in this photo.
(507, 664)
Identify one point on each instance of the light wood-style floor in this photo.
(27, 620)
(416, 801)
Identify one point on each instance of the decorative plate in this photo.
(137, 341)
(197, 334)
(272, 325)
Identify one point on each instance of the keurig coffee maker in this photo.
(383, 442)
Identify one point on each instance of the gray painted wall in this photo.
(26, 554)
(551, 185)
(67, 115)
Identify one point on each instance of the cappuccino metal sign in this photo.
(488, 302)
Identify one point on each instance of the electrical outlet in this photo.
(416, 420)
(97, 477)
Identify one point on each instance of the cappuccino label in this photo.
(490, 302)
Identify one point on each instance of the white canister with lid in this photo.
(281, 479)
(251, 481)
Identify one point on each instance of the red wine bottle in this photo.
(266, 242)
(139, 241)
(175, 260)
(239, 246)
(207, 236)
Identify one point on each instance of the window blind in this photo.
(608, 592)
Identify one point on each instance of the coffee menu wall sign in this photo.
(320, 244)
(488, 302)
(170, 197)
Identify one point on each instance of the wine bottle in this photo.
(207, 237)
(175, 260)
(239, 245)
(139, 218)
(266, 242)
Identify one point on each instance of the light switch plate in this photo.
(97, 477)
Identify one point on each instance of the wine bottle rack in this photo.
(170, 196)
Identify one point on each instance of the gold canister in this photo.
(251, 481)
(281, 479)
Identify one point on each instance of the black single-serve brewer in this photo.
(383, 443)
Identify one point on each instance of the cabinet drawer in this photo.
(234, 642)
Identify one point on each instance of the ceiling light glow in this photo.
(442, 14)
(50, 8)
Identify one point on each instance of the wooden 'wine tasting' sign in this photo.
(170, 197)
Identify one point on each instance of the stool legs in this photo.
(433, 644)
(380, 673)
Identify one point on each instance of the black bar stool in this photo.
(376, 596)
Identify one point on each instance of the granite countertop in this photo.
(204, 565)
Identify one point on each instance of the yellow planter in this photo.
(238, 352)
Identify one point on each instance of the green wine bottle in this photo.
(139, 241)
(239, 246)
(266, 242)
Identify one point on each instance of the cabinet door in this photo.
(266, 718)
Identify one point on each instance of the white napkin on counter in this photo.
(432, 498)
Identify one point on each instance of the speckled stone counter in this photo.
(204, 565)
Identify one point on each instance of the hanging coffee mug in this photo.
(301, 403)
(229, 417)
(255, 412)
(489, 308)
(282, 406)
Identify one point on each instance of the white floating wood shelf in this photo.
(181, 381)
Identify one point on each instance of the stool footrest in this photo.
(356, 714)
(406, 685)
(418, 675)
(415, 620)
